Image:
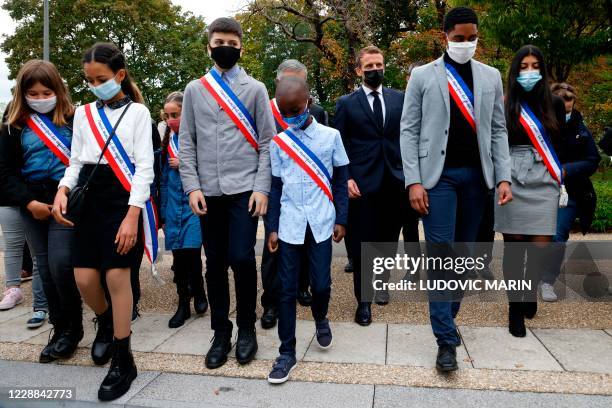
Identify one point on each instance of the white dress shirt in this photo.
(370, 97)
(134, 133)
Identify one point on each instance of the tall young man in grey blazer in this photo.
(452, 156)
(228, 180)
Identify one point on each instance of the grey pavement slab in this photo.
(579, 350)
(15, 330)
(268, 341)
(151, 330)
(415, 345)
(352, 344)
(394, 396)
(193, 338)
(89, 332)
(495, 347)
(180, 390)
(85, 380)
(6, 315)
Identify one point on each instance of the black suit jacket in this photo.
(374, 153)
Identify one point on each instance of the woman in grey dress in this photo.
(528, 223)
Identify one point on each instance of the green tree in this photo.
(568, 32)
(165, 48)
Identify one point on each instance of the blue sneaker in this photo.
(37, 320)
(324, 334)
(283, 365)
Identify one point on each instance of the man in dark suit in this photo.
(369, 122)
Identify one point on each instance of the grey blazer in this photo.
(213, 155)
(426, 119)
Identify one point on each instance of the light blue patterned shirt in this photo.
(230, 75)
(302, 201)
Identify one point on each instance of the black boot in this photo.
(101, 350)
(182, 313)
(246, 345)
(530, 309)
(45, 354)
(447, 358)
(221, 346)
(200, 302)
(516, 320)
(68, 341)
(121, 373)
(269, 317)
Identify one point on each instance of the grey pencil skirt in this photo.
(533, 210)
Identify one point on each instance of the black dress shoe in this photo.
(67, 342)
(348, 268)
(269, 317)
(516, 320)
(530, 309)
(447, 358)
(45, 354)
(183, 312)
(246, 345)
(200, 304)
(220, 348)
(304, 297)
(121, 373)
(363, 314)
(382, 297)
(101, 349)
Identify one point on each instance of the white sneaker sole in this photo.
(9, 307)
(281, 380)
(35, 325)
(326, 347)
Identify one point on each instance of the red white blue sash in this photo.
(173, 146)
(277, 115)
(306, 159)
(540, 140)
(232, 106)
(119, 161)
(461, 94)
(50, 135)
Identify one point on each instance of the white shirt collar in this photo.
(368, 91)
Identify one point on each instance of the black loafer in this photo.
(269, 317)
(220, 348)
(304, 298)
(447, 358)
(246, 346)
(363, 314)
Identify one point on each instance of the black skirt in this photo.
(105, 207)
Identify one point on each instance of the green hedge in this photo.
(603, 214)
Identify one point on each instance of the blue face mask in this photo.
(296, 122)
(529, 79)
(107, 90)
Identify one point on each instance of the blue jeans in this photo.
(14, 239)
(456, 205)
(52, 247)
(319, 263)
(565, 220)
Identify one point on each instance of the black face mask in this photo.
(225, 56)
(374, 77)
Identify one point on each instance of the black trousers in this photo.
(269, 276)
(187, 267)
(229, 233)
(378, 217)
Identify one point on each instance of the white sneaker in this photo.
(12, 297)
(547, 291)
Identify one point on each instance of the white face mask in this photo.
(462, 52)
(42, 105)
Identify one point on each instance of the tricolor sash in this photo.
(50, 135)
(306, 159)
(277, 115)
(542, 143)
(173, 146)
(119, 161)
(232, 106)
(461, 94)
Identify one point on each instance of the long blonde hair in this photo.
(45, 73)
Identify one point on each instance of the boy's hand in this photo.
(418, 198)
(40, 211)
(260, 201)
(353, 189)
(174, 163)
(504, 192)
(273, 242)
(339, 232)
(197, 202)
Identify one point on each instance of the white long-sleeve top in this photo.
(134, 132)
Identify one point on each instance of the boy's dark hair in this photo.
(459, 15)
(225, 25)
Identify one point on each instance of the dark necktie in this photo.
(378, 112)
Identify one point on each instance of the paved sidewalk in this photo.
(157, 389)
